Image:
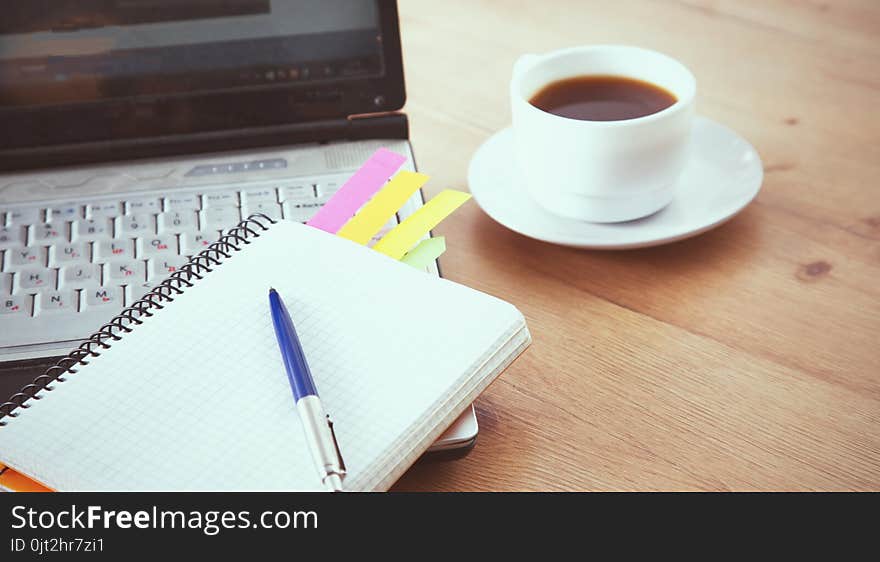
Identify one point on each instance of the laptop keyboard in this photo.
(67, 268)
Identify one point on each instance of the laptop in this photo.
(135, 131)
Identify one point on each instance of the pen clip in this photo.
(336, 444)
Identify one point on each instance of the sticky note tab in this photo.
(425, 253)
(15, 481)
(357, 190)
(405, 235)
(375, 214)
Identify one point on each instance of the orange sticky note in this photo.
(17, 482)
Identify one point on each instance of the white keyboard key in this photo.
(136, 291)
(90, 230)
(258, 195)
(17, 258)
(49, 232)
(301, 211)
(68, 254)
(220, 218)
(145, 205)
(161, 268)
(107, 297)
(64, 212)
(161, 245)
(11, 237)
(53, 302)
(388, 226)
(15, 306)
(297, 192)
(106, 250)
(327, 188)
(220, 199)
(178, 221)
(134, 225)
(53, 328)
(293, 212)
(80, 276)
(34, 280)
(312, 205)
(194, 242)
(270, 209)
(28, 215)
(103, 210)
(124, 272)
(392, 222)
(181, 202)
(5, 283)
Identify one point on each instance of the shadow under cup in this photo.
(601, 171)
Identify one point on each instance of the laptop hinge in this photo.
(383, 126)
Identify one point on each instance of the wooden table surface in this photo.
(747, 358)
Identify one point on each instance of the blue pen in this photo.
(317, 425)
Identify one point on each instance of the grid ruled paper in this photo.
(196, 398)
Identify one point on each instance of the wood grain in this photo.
(747, 358)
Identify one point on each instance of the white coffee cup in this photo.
(601, 171)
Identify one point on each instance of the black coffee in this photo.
(602, 98)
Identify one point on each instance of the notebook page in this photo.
(196, 397)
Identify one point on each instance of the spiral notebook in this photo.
(186, 390)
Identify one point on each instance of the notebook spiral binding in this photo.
(164, 292)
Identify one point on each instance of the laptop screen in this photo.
(61, 52)
(172, 61)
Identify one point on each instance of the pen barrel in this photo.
(321, 441)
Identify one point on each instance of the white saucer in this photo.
(722, 177)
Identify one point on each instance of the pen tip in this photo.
(272, 290)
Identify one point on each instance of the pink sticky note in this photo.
(357, 190)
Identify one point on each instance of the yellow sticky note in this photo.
(405, 235)
(426, 252)
(376, 212)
